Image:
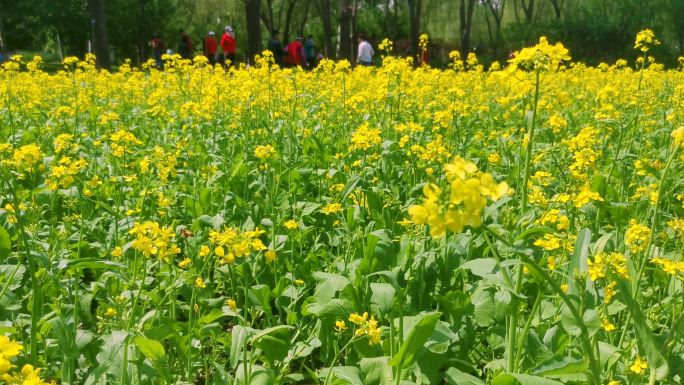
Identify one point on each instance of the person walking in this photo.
(310, 50)
(158, 48)
(295, 53)
(228, 45)
(210, 46)
(276, 48)
(185, 46)
(365, 56)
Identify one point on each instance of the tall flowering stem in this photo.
(541, 57)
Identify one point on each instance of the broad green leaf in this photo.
(347, 375)
(5, 243)
(239, 337)
(151, 349)
(376, 370)
(578, 262)
(569, 322)
(258, 375)
(457, 377)
(383, 296)
(563, 368)
(416, 337)
(522, 379)
(259, 297)
(591, 321)
(274, 342)
(328, 285)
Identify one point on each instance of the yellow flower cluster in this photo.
(669, 266)
(604, 263)
(8, 350)
(24, 158)
(264, 152)
(645, 40)
(678, 136)
(365, 137)
(462, 204)
(637, 236)
(386, 46)
(122, 142)
(423, 41)
(584, 152)
(231, 243)
(434, 151)
(63, 174)
(585, 195)
(639, 366)
(332, 208)
(366, 327)
(27, 376)
(65, 143)
(542, 56)
(154, 239)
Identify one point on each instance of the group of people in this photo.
(186, 49)
(300, 52)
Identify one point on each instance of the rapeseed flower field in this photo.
(520, 224)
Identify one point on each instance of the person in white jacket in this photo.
(365, 56)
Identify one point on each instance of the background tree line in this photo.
(594, 30)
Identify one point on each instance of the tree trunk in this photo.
(414, 23)
(528, 10)
(466, 22)
(252, 16)
(302, 25)
(325, 13)
(497, 11)
(143, 34)
(2, 29)
(268, 16)
(100, 36)
(387, 31)
(288, 18)
(557, 8)
(354, 30)
(344, 38)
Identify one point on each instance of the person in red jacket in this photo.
(295, 53)
(210, 48)
(228, 46)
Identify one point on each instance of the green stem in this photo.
(513, 321)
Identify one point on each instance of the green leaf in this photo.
(417, 336)
(563, 368)
(151, 349)
(259, 297)
(65, 337)
(5, 243)
(457, 377)
(259, 375)
(239, 337)
(484, 306)
(376, 370)
(328, 285)
(383, 296)
(522, 379)
(578, 262)
(274, 342)
(347, 375)
(591, 321)
(569, 322)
